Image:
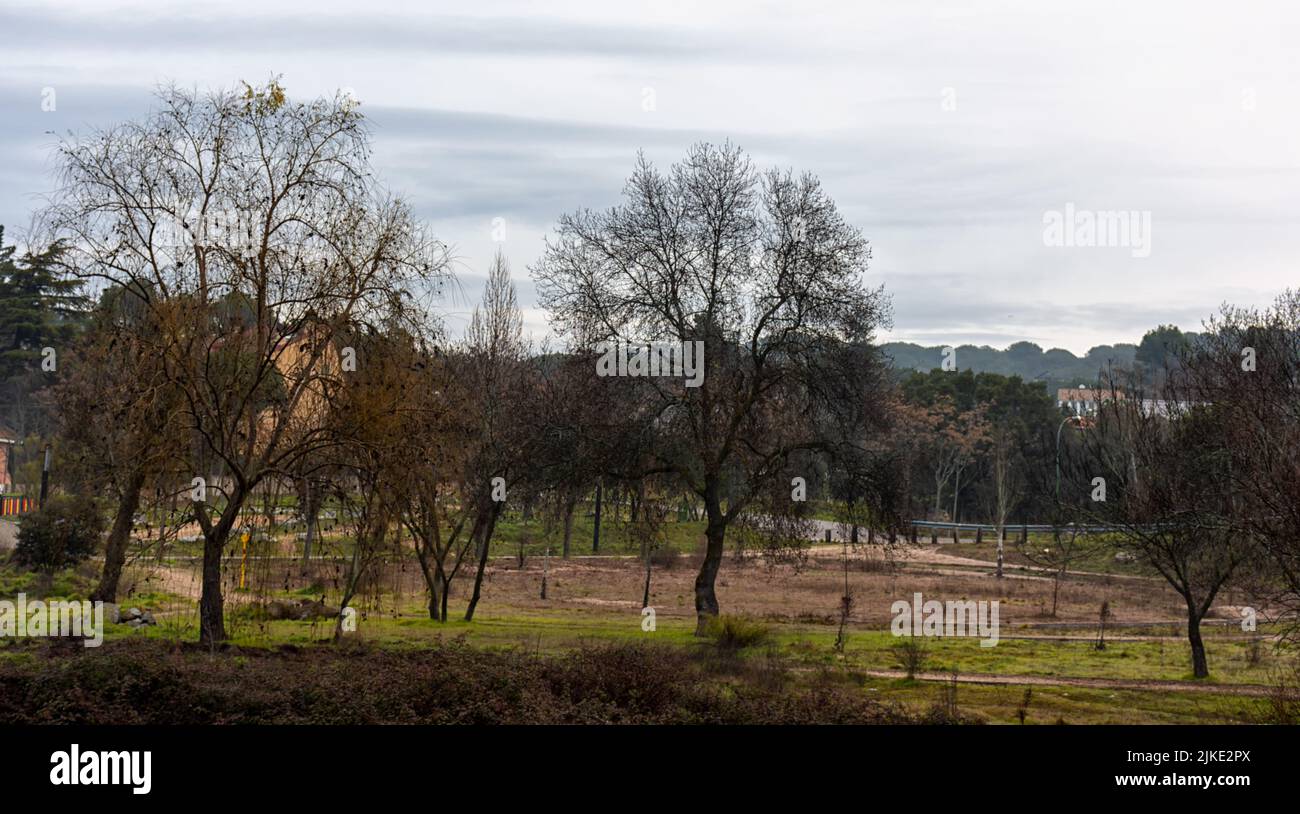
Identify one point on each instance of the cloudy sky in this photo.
(946, 132)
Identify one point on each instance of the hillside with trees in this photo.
(1055, 367)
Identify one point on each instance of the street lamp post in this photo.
(1060, 427)
(1082, 423)
(1056, 532)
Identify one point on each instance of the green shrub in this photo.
(737, 632)
(59, 535)
(911, 655)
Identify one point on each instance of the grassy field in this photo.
(1043, 667)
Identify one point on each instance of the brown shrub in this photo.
(150, 682)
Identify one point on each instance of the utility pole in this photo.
(45, 475)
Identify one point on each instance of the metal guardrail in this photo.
(936, 525)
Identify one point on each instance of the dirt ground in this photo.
(806, 592)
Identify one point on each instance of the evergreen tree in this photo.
(39, 308)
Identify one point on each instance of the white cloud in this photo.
(1170, 107)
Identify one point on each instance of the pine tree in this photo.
(39, 308)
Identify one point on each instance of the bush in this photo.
(143, 681)
(1281, 704)
(910, 653)
(61, 534)
(737, 632)
(664, 558)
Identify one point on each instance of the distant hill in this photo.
(1055, 368)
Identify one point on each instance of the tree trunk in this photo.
(1200, 667)
(595, 535)
(956, 492)
(309, 538)
(569, 507)
(212, 618)
(309, 502)
(350, 586)
(434, 602)
(118, 540)
(485, 543)
(706, 598)
(431, 580)
(212, 615)
(1000, 536)
(645, 595)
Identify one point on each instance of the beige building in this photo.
(1085, 400)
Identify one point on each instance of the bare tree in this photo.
(253, 229)
(1247, 364)
(432, 503)
(499, 389)
(763, 271)
(954, 438)
(1008, 484)
(1071, 545)
(1154, 470)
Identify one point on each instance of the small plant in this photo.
(846, 613)
(737, 632)
(770, 672)
(1281, 703)
(911, 654)
(1102, 617)
(664, 558)
(1023, 710)
(61, 534)
(875, 565)
(950, 696)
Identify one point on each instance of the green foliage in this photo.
(1021, 411)
(39, 308)
(1053, 368)
(1161, 347)
(737, 632)
(911, 655)
(61, 534)
(1003, 395)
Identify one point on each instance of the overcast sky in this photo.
(946, 132)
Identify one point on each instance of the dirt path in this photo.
(1255, 690)
(934, 556)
